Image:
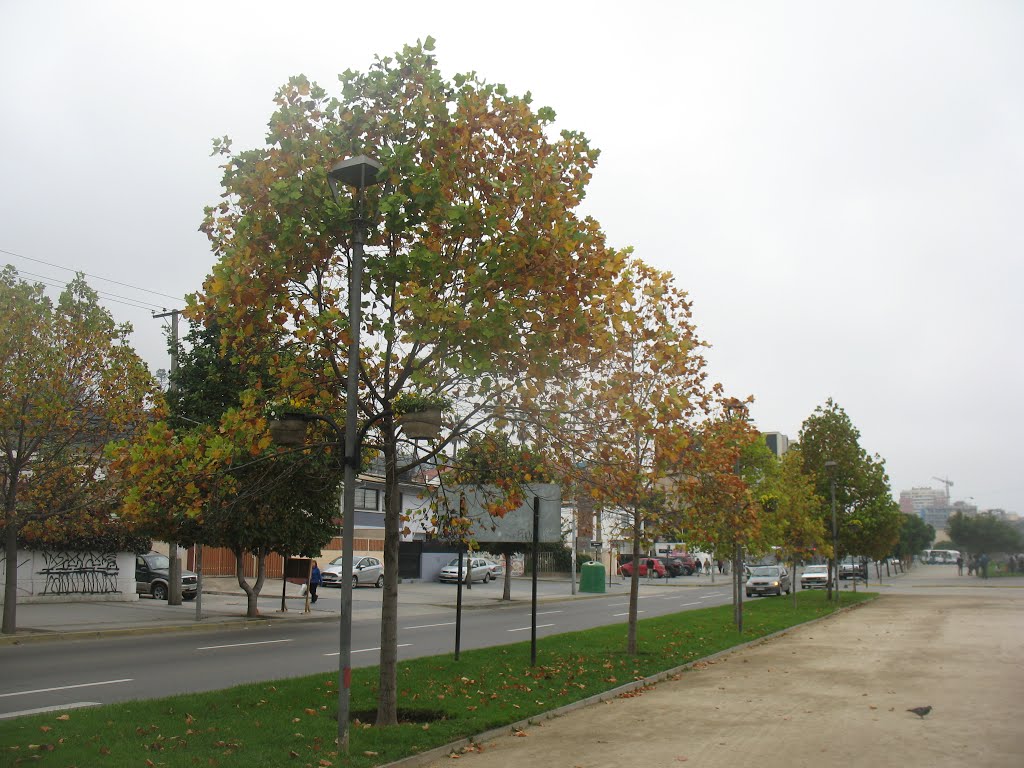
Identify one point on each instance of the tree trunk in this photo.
(10, 622)
(10, 625)
(387, 688)
(507, 594)
(252, 593)
(634, 588)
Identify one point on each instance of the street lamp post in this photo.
(735, 409)
(358, 172)
(831, 467)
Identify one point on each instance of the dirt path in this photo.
(833, 693)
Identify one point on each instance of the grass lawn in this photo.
(292, 722)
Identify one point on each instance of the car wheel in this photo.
(355, 581)
(750, 594)
(188, 597)
(159, 591)
(380, 581)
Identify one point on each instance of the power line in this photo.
(117, 298)
(94, 277)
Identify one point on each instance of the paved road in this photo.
(115, 652)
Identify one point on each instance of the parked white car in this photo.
(481, 570)
(365, 570)
(814, 577)
(497, 569)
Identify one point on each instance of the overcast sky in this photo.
(838, 185)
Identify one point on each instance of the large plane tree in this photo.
(69, 384)
(480, 278)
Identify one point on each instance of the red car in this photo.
(647, 565)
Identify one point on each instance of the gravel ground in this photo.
(832, 693)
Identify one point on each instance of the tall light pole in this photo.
(831, 467)
(358, 172)
(734, 408)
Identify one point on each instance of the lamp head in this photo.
(359, 172)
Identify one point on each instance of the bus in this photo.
(940, 556)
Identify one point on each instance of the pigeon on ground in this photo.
(920, 711)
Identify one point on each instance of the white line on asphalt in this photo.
(58, 708)
(626, 614)
(708, 597)
(366, 650)
(523, 629)
(66, 687)
(428, 626)
(241, 645)
(685, 604)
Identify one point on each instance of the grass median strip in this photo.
(292, 722)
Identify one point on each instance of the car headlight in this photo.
(775, 583)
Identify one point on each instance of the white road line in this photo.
(523, 629)
(241, 645)
(428, 626)
(66, 687)
(58, 708)
(626, 614)
(366, 650)
(708, 597)
(684, 604)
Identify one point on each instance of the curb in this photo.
(45, 636)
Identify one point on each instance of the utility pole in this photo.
(174, 575)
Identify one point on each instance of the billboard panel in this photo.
(517, 525)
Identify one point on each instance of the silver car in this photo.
(481, 570)
(768, 580)
(365, 570)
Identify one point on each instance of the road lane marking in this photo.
(627, 614)
(58, 708)
(366, 650)
(428, 626)
(684, 604)
(241, 645)
(523, 629)
(66, 687)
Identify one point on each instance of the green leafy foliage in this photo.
(70, 385)
(209, 474)
(869, 520)
(477, 262)
(984, 533)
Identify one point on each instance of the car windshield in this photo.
(765, 571)
(816, 569)
(159, 562)
(339, 560)
(455, 562)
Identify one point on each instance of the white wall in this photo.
(71, 577)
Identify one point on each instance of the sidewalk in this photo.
(833, 692)
(224, 604)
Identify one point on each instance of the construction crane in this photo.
(948, 483)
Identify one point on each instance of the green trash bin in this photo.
(592, 577)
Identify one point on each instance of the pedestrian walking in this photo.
(959, 565)
(314, 582)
